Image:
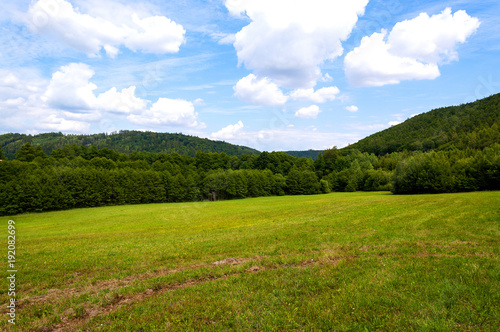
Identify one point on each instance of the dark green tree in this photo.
(26, 153)
(39, 152)
(237, 184)
(324, 186)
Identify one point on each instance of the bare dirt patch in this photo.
(231, 261)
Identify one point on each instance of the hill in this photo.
(306, 154)
(474, 125)
(124, 142)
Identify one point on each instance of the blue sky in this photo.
(270, 74)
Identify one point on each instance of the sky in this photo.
(274, 75)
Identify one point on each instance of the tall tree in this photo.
(39, 152)
(26, 153)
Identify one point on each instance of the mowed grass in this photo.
(342, 261)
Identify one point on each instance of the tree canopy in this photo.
(474, 125)
(123, 142)
(78, 176)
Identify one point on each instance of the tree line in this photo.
(125, 141)
(474, 125)
(77, 176)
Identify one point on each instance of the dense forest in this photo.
(460, 153)
(79, 176)
(475, 125)
(306, 154)
(124, 141)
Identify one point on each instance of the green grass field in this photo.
(336, 262)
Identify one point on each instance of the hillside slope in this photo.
(305, 154)
(124, 142)
(474, 125)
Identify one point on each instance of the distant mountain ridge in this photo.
(124, 142)
(474, 125)
(306, 154)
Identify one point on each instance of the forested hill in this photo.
(474, 125)
(306, 154)
(124, 142)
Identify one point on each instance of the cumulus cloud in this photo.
(310, 112)
(120, 102)
(70, 88)
(168, 112)
(20, 84)
(260, 92)
(432, 39)
(288, 40)
(155, 34)
(412, 50)
(53, 122)
(68, 103)
(394, 123)
(320, 96)
(89, 34)
(352, 108)
(26, 105)
(228, 132)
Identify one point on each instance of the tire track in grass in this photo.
(69, 321)
(120, 300)
(69, 324)
(113, 284)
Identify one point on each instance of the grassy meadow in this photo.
(336, 262)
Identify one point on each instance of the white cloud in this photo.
(412, 50)
(260, 92)
(223, 38)
(155, 34)
(326, 78)
(89, 34)
(228, 132)
(21, 83)
(302, 139)
(432, 39)
(371, 64)
(67, 103)
(168, 112)
(9, 79)
(310, 112)
(111, 51)
(320, 96)
(121, 102)
(23, 105)
(288, 40)
(92, 116)
(70, 88)
(15, 101)
(198, 102)
(352, 108)
(53, 122)
(372, 128)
